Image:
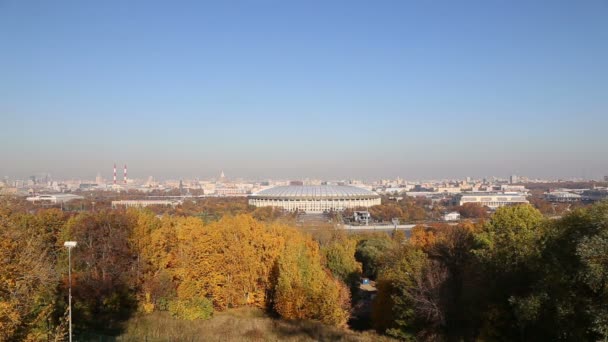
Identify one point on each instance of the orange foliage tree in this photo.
(233, 262)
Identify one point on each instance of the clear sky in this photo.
(330, 89)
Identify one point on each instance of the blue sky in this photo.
(330, 89)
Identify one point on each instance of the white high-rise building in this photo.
(98, 179)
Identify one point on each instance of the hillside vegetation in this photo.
(517, 276)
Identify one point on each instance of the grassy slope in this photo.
(236, 325)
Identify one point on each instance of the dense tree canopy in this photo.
(28, 278)
(339, 255)
(516, 276)
(407, 210)
(304, 289)
(129, 261)
(370, 251)
(472, 210)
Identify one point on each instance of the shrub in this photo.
(196, 308)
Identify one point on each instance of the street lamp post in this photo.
(70, 245)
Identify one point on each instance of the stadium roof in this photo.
(315, 192)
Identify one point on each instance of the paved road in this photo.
(379, 227)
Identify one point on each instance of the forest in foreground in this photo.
(516, 276)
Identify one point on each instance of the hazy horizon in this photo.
(338, 90)
(305, 173)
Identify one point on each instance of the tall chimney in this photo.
(114, 173)
(125, 178)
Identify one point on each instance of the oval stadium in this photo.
(315, 198)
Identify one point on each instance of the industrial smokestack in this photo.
(114, 173)
(125, 178)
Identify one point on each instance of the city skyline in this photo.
(295, 90)
(120, 177)
(368, 172)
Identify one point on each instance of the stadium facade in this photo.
(315, 198)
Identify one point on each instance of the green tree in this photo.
(569, 293)
(508, 250)
(370, 252)
(339, 256)
(511, 237)
(399, 277)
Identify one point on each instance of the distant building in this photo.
(595, 195)
(562, 196)
(53, 198)
(99, 179)
(315, 198)
(231, 191)
(514, 179)
(513, 188)
(491, 200)
(208, 188)
(87, 186)
(452, 216)
(144, 203)
(426, 194)
(448, 189)
(396, 190)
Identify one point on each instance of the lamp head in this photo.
(69, 244)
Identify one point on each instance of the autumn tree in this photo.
(104, 263)
(472, 210)
(423, 237)
(456, 286)
(416, 213)
(433, 285)
(305, 289)
(28, 280)
(386, 212)
(542, 205)
(154, 244)
(229, 261)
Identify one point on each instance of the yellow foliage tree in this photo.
(230, 261)
(305, 289)
(234, 262)
(27, 281)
